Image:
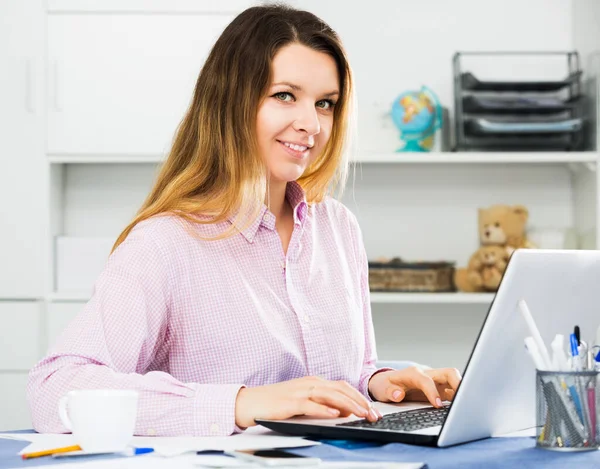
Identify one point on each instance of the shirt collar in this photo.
(296, 197)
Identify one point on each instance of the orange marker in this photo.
(50, 452)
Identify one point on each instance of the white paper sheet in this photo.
(134, 462)
(322, 465)
(220, 461)
(209, 462)
(259, 438)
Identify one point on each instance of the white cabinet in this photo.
(23, 166)
(21, 326)
(120, 83)
(60, 314)
(14, 411)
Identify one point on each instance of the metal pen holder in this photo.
(566, 410)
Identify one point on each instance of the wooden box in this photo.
(399, 276)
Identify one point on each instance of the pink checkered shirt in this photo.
(187, 322)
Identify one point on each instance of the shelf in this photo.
(376, 297)
(482, 157)
(70, 296)
(376, 158)
(432, 298)
(103, 158)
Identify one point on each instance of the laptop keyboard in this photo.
(406, 421)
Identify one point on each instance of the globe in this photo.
(417, 115)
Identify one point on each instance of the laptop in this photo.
(497, 392)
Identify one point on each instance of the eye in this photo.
(497, 225)
(326, 104)
(283, 96)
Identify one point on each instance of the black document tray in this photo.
(470, 82)
(516, 105)
(483, 126)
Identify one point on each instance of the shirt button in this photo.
(214, 429)
(151, 432)
(306, 318)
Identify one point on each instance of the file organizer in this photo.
(518, 115)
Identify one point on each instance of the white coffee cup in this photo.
(101, 420)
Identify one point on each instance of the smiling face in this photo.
(296, 117)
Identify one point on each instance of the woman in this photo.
(240, 290)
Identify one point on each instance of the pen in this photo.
(582, 394)
(49, 452)
(576, 363)
(577, 402)
(125, 452)
(592, 408)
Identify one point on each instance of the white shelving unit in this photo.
(420, 206)
(100, 86)
(376, 298)
(584, 157)
(432, 298)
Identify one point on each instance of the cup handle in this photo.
(62, 412)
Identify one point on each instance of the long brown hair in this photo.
(213, 168)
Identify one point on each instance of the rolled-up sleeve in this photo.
(116, 342)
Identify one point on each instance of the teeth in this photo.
(295, 147)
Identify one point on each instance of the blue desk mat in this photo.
(488, 453)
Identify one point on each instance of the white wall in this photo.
(429, 212)
(438, 336)
(399, 45)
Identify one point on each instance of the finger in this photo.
(454, 378)
(441, 389)
(450, 376)
(332, 397)
(445, 391)
(352, 393)
(314, 409)
(426, 384)
(395, 393)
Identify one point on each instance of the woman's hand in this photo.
(415, 384)
(312, 396)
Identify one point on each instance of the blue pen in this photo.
(577, 402)
(575, 353)
(577, 367)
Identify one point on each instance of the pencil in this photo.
(49, 452)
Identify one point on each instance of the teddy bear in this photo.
(500, 226)
(504, 225)
(484, 271)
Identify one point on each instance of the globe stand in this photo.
(412, 146)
